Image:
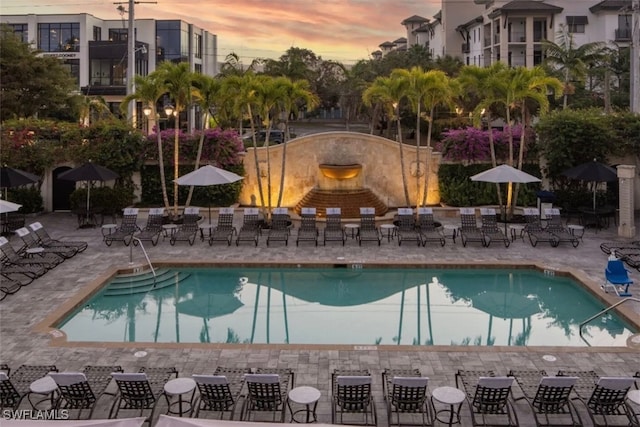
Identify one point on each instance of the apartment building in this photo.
(96, 50)
(481, 32)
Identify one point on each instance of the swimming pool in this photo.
(358, 306)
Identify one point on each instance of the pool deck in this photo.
(24, 341)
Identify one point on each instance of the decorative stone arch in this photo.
(379, 157)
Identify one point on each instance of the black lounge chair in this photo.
(123, 233)
(251, 227)
(368, 232)
(333, 230)
(351, 395)
(488, 398)
(44, 239)
(606, 405)
(220, 392)
(469, 230)
(308, 231)
(25, 375)
(535, 231)
(557, 228)
(267, 392)
(428, 229)
(188, 230)
(11, 257)
(153, 228)
(31, 242)
(490, 227)
(548, 397)
(78, 392)
(224, 230)
(280, 226)
(407, 228)
(10, 397)
(406, 395)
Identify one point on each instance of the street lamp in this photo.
(168, 110)
(147, 112)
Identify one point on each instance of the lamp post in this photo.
(147, 110)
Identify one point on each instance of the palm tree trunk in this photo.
(205, 118)
(176, 162)
(428, 161)
(163, 180)
(255, 155)
(418, 157)
(405, 186)
(494, 163)
(282, 169)
(566, 88)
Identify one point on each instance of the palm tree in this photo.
(294, 94)
(531, 87)
(207, 97)
(480, 86)
(388, 92)
(242, 91)
(90, 106)
(178, 80)
(149, 89)
(570, 60)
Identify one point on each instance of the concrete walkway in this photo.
(20, 313)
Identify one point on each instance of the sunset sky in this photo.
(343, 30)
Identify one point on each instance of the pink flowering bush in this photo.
(471, 145)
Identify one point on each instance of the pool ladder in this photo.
(146, 256)
(600, 313)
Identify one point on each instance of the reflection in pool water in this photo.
(347, 306)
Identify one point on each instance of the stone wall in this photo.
(379, 157)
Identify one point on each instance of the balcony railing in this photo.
(623, 34)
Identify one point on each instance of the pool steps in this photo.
(128, 284)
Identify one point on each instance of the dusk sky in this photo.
(343, 30)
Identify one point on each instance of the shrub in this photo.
(29, 197)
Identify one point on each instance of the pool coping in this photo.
(59, 339)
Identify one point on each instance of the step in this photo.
(132, 279)
(145, 285)
(349, 201)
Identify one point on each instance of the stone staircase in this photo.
(349, 201)
(135, 283)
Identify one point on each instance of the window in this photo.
(172, 40)
(73, 66)
(97, 33)
(576, 24)
(197, 45)
(118, 34)
(59, 37)
(20, 30)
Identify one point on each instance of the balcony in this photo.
(466, 48)
(623, 34)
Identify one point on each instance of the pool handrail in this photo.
(146, 256)
(600, 313)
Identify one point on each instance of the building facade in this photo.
(96, 53)
(481, 32)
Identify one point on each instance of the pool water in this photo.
(365, 306)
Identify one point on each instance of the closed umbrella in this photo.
(593, 172)
(89, 172)
(206, 176)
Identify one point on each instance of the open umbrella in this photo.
(504, 174)
(6, 207)
(88, 172)
(208, 175)
(10, 177)
(593, 172)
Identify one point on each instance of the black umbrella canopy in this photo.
(10, 177)
(89, 172)
(592, 171)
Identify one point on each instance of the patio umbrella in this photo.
(593, 172)
(10, 177)
(206, 176)
(6, 207)
(504, 174)
(89, 172)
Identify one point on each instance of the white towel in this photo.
(558, 381)
(68, 378)
(495, 382)
(345, 380)
(410, 381)
(262, 378)
(210, 379)
(615, 383)
(129, 376)
(423, 211)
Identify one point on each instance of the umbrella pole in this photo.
(594, 196)
(88, 192)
